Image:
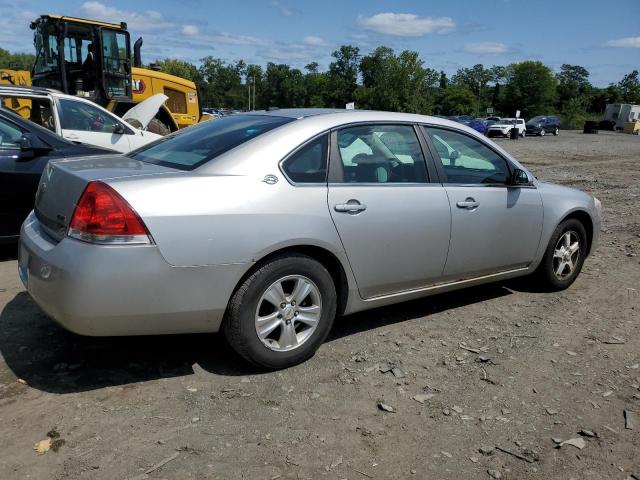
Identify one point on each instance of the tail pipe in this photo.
(137, 58)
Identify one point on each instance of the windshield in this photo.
(536, 119)
(195, 146)
(505, 121)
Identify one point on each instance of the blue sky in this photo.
(603, 36)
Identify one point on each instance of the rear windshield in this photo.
(195, 146)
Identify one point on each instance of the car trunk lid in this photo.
(63, 182)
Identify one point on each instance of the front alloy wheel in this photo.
(566, 255)
(542, 132)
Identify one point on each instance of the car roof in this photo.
(23, 90)
(338, 116)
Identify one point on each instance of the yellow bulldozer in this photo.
(93, 59)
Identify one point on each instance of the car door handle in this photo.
(469, 204)
(352, 206)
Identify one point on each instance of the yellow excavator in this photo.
(93, 59)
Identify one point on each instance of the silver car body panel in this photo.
(210, 226)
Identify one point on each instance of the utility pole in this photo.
(253, 81)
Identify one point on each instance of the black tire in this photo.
(157, 126)
(545, 274)
(239, 322)
(556, 132)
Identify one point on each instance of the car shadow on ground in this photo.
(51, 359)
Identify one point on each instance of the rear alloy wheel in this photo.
(282, 313)
(564, 256)
(556, 132)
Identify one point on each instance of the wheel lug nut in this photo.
(283, 305)
(295, 313)
(279, 315)
(293, 303)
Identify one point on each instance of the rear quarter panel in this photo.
(205, 219)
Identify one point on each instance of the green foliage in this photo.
(342, 76)
(629, 88)
(457, 100)
(16, 61)
(530, 88)
(180, 68)
(397, 83)
(384, 80)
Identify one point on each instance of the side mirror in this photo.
(454, 155)
(118, 129)
(519, 177)
(31, 146)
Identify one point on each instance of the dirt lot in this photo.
(537, 366)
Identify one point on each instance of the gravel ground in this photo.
(480, 382)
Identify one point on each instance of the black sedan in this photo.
(25, 149)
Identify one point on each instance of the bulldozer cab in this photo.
(83, 57)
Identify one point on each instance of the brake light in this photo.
(103, 216)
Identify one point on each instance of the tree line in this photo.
(386, 80)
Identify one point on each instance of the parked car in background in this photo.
(503, 127)
(543, 124)
(25, 149)
(286, 219)
(478, 125)
(80, 120)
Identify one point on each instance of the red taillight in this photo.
(103, 216)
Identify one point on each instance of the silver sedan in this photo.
(268, 225)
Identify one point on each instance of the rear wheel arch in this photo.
(585, 219)
(325, 257)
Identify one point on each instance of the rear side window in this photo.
(308, 164)
(197, 145)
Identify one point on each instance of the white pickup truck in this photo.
(503, 127)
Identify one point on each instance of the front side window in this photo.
(308, 164)
(197, 145)
(466, 160)
(82, 116)
(10, 135)
(381, 154)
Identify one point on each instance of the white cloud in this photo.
(190, 30)
(147, 21)
(628, 42)
(486, 48)
(284, 10)
(406, 24)
(314, 41)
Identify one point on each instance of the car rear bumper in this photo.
(121, 290)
